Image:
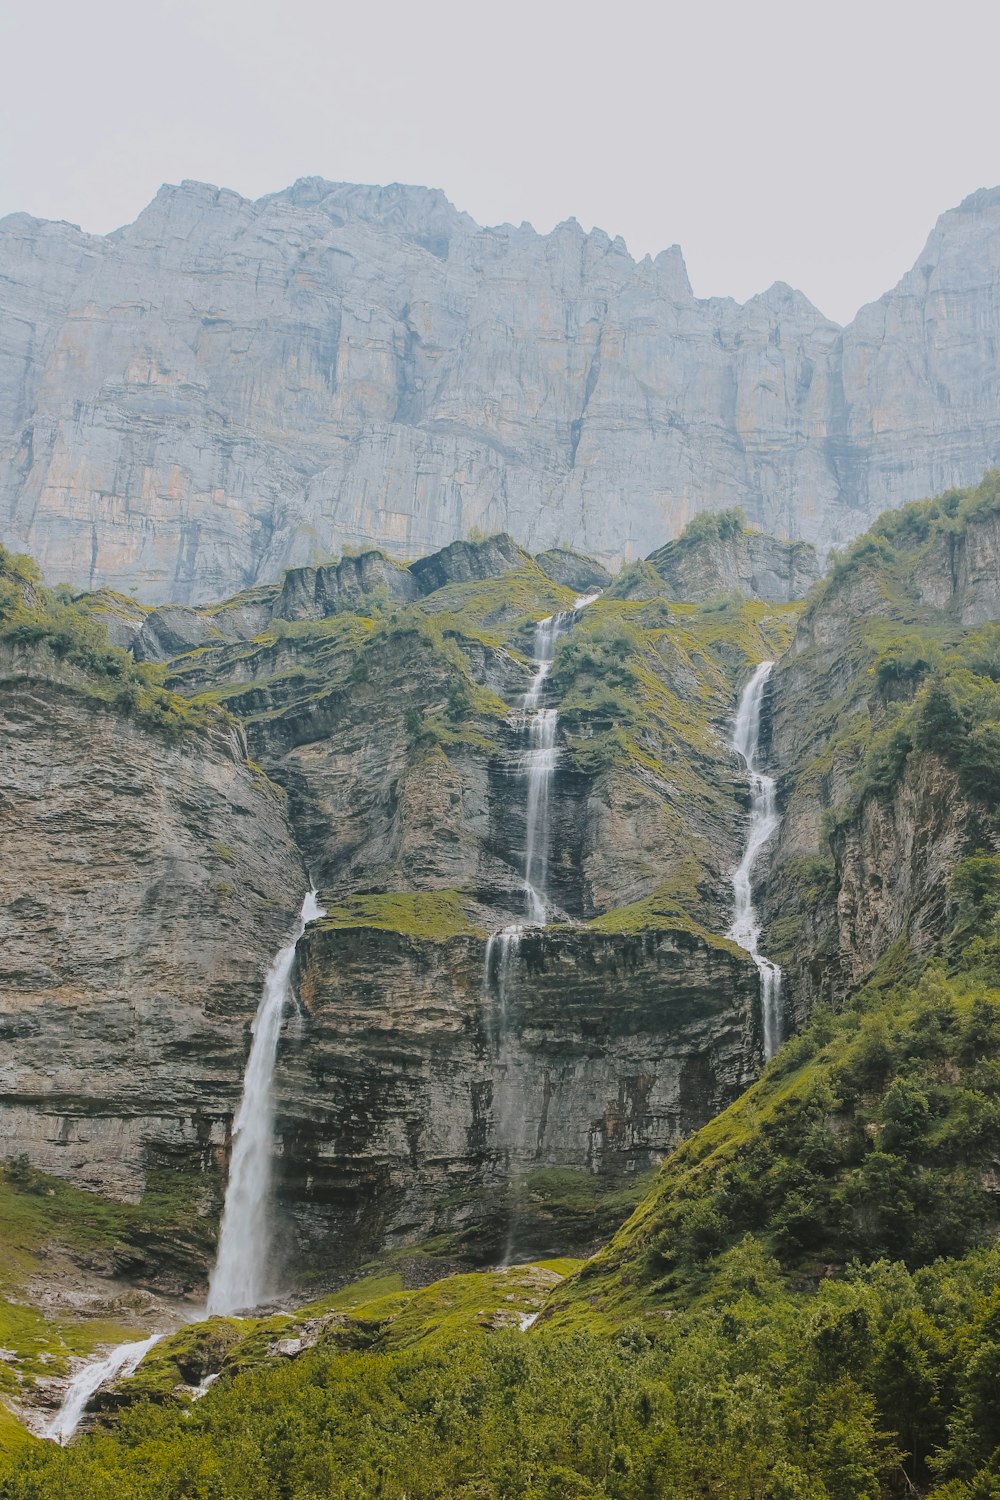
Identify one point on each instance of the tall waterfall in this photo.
(764, 820)
(539, 726)
(239, 1279)
(124, 1360)
(536, 765)
(539, 763)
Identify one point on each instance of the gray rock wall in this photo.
(144, 888)
(225, 388)
(414, 1095)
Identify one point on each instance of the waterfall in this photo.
(239, 1279)
(539, 726)
(538, 764)
(241, 1266)
(764, 820)
(124, 1360)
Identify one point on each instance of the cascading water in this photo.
(537, 765)
(241, 1267)
(539, 726)
(764, 820)
(239, 1279)
(124, 1360)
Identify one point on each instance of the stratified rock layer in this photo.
(225, 388)
(415, 1093)
(145, 884)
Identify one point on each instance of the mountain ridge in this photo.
(229, 387)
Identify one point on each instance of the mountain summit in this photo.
(225, 388)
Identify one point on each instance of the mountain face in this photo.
(225, 388)
(367, 721)
(441, 748)
(364, 721)
(881, 722)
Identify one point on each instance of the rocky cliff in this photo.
(225, 388)
(421, 1100)
(427, 1097)
(148, 875)
(392, 719)
(422, 1106)
(882, 721)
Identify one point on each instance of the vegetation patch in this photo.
(430, 916)
(64, 636)
(660, 912)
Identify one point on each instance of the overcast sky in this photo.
(802, 142)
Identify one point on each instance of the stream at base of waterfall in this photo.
(764, 820)
(239, 1281)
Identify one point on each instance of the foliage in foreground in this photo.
(807, 1305)
(758, 1393)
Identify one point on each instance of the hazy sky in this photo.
(803, 142)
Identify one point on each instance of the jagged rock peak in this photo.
(464, 561)
(413, 377)
(424, 215)
(705, 561)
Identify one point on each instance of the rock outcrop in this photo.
(411, 1108)
(573, 570)
(746, 562)
(868, 842)
(225, 388)
(146, 882)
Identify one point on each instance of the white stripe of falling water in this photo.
(538, 765)
(239, 1279)
(764, 820)
(121, 1362)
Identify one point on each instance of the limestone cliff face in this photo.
(152, 871)
(225, 388)
(144, 886)
(414, 1100)
(748, 563)
(895, 861)
(867, 845)
(415, 1096)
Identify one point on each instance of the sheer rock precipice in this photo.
(227, 387)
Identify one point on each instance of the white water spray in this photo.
(239, 1279)
(764, 820)
(123, 1361)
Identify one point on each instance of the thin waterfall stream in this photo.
(764, 820)
(538, 725)
(239, 1280)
